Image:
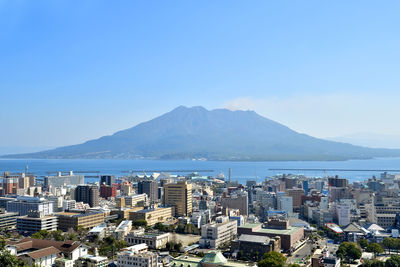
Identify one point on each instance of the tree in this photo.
(57, 235)
(272, 259)
(393, 261)
(36, 235)
(389, 243)
(139, 223)
(6, 259)
(363, 243)
(349, 251)
(374, 248)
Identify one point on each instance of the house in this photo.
(69, 249)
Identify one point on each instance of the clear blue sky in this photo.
(77, 70)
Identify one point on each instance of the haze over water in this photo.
(241, 171)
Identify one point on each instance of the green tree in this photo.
(57, 235)
(349, 251)
(36, 235)
(374, 248)
(7, 259)
(393, 261)
(272, 259)
(44, 233)
(139, 223)
(389, 243)
(363, 243)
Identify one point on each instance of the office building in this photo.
(150, 188)
(67, 220)
(8, 220)
(123, 229)
(179, 195)
(255, 246)
(285, 203)
(23, 205)
(337, 182)
(10, 185)
(87, 194)
(69, 204)
(35, 221)
(107, 180)
(135, 200)
(152, 215)
(63, 180)
(296, 194)
(215, 234)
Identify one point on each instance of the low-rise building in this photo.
(91, 261)
(34, 222)
(123, 229)
(67, 220)
(137, 255)
(153, 240)
(254, 246)
(153, 215)
(8, 220)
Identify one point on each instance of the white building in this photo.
(123, 229)
(137, 256)
(285, 203)
(343, 213)
(215, 234)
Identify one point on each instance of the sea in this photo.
(241, 171)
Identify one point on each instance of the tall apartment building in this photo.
(23, 205)
(215, 234)
(63, 180)
(107, 191)
(285, 203)
(10, 185)
(107, 179)
(179, 195)
(338, 182)
(237, 201)
(150, 188)
(87, 194)
(296, 194)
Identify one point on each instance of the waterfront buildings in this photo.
(63, 180)
(150, 188)
(107, 180)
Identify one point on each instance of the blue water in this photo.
(241, 171)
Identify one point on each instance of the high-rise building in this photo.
(338, 182)
(10, 185)
(296, 194)
(107, 191)
(107, 179)
(87, 194)
(179, 195)
(23, 205)
(237, 201)
(150, 188)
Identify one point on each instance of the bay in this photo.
(241, 170)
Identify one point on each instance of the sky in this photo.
(71, 71)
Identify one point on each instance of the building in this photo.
(296, 194)
(35, 222)
(8, 220)
(153, 215)
(124, 213)
(69, 249)
(10, 185)
(216, 234)
(23, 205)
(179, 195)
(254, 247)
(107, 180)
(45, 257)
(285, 203)
(343, 213)
(87, 194)
(290, 236)
(107, 191)
(152, 240)
(136, 200)
(123, 229)
(69, 204)
(67, 220)
(338, 182)
(91, 261)
(150, 188)
(137, 255)
(237, 201)
(63, 180)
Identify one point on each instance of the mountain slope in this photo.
(217, 134)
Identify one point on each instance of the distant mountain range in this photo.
(220, 134)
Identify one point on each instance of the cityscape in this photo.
(202, 133)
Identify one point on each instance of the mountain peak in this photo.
(219, 134)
